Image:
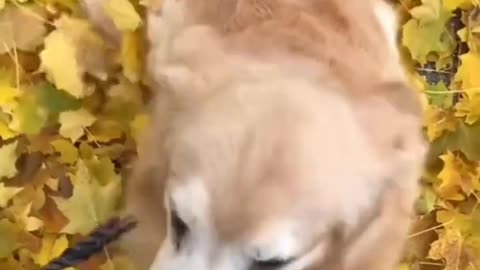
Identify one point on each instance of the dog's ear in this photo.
(95, 12)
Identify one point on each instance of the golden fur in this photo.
(282, 110)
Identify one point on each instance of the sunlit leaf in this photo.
(7, 193)
(8, 158)
(91, 203)
(123, 14)
(73, 123)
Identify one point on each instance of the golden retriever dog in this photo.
(284, 137)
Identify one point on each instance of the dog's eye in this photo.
(273, 263)
(180, 229)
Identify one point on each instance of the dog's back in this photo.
(283, 114)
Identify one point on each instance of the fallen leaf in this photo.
(60, 63)
(24, 219)
(56, 101)
(91, 53)
(5, 132)
(105, 131)
(438, 121)
(425, 204)
(8, 238)
(7, 193)
(91, 203)
(457, 177)
(8, 158)
(449, 247)
(123, 14)
(73, 123)
(439, 95)
(464, 139)
(451, 5)
(469, 107)
(8, 90)
(132, 55)
(20, 29)
(52, 247)
(68, 152)
(428, 11)
(28, 117)
(138, 126)
(424, 37)
(467, 73)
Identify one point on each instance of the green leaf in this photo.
(425, 204)
(439, 95)
(423, 38)
(465, 139)
(29, 117)
(56, 101)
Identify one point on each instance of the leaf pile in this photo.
(440, 42)
(71, 110)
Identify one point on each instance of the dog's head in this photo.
(282, 133)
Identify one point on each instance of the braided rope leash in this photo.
(94, 243)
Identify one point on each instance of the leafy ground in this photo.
(72, 108)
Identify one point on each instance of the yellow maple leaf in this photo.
(105, 130)
(456, 177)
(428, 11)
(453, 219)
(8, 236)
(131, 55)
(52, 183)
(68, 152)
(8, 91)
(73, 123)
(448, 247)
(451, 5)
(8, 158)
(7, 193)
(118, 263)
(90, 50)
(70, 51)
(428, 34)
(60, 63)
(468, 73)
(91, 203)
(23, 217)
(437, 121)
(469, 107)
(102, 169)
(5, 132)
(404, 266)
(123, 14)
(28, 117)
(51, 248)
(20, 29)
(138, 126)
(31, 195)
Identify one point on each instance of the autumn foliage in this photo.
(72, 108)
